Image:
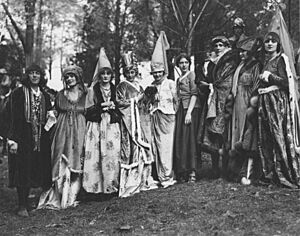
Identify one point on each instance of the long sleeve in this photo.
(15, 114)
(122, 100)
(255, 79)
(280, 78)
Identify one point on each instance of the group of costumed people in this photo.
(123, 139)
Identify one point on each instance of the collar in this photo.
(36, 93)
(216, 59)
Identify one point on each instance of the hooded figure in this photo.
(238, 29)
(67, 142)
(244, 87)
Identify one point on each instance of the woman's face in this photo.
(158, 75)
(219, 48)
(244, 55)
(70, 80)
(130, 75)
(105, 76)
(271, 45)
(183, 65)
(34, 77)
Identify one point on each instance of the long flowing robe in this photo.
(101, 167)
(276, 143)
(67, 152)
(245, 85)
(212, 130)
(31, 166)
(163, 127)
(136, 157)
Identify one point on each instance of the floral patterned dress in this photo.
(102, 147)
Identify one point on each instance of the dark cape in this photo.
(27, 168)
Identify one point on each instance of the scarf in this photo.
(35, 114)
(236, 78)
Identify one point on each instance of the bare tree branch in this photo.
(17, 29)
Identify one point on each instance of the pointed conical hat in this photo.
(103, 62)
(159, 56)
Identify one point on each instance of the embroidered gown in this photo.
(280, 162)
(136, 157)
(101, 168)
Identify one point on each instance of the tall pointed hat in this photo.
(159, 56)
(102, 63)
(129, 61)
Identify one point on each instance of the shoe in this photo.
(22, 211)
(168, 183)
(245, 181)
(192, 179)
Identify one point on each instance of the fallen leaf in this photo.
(54, 225)
(92, 222)
(125, 227)
(230, 214)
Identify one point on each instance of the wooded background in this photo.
(72, 31)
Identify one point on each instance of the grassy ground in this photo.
(207, 207)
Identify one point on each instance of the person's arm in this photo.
(188, 116)
(280, 79)
(121, 99)
(12, 134)
(255, 79)
(193, 99)
(174, 95)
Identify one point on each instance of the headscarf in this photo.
(77, 71)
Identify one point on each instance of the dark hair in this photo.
(276, 37)
(34, 67)
(102, 70)
(180, 56)
(71, 73)
(129, 68)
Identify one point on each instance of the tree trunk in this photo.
(50, 49)
(118, 41)
(190, 25)
(29, 16)
(39, 36)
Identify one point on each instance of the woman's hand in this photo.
(110, 105)
(12, 146)
(265, 76)
(188, 118)
(140, 97)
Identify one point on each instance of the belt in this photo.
(268, 89)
